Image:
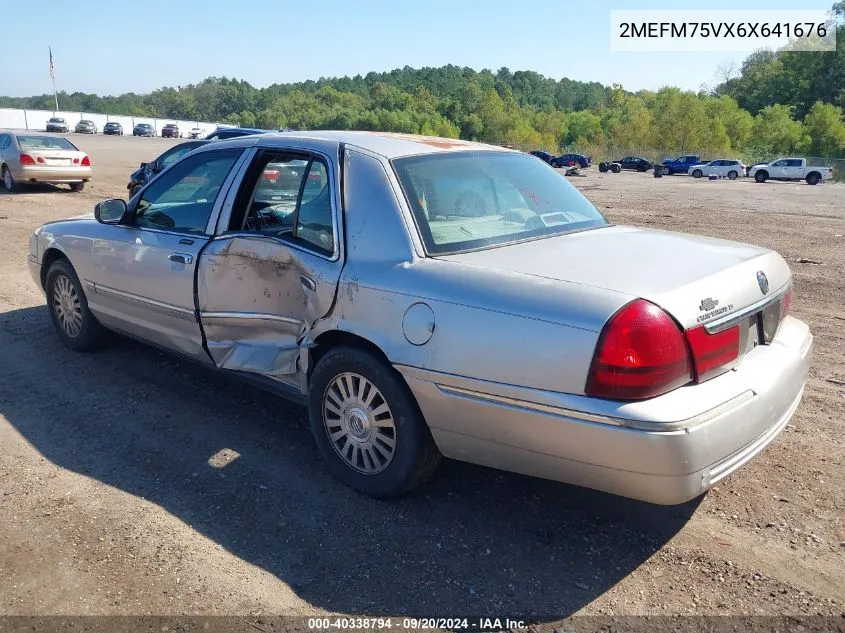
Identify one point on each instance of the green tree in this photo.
(824, 125)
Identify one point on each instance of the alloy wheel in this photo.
(359, 423)
(67, 307)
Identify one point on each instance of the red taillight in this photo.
(641, 353)
(86, 162)
(26, 159)
(75, 161)
(712, 353)
(786, 303)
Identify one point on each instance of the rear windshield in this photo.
(468, 200)
(45, 142)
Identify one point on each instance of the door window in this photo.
(793, 162)
(171, 156)
(181, 199)
(290, 197)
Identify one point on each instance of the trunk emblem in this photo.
(763, 282)
(708, 304)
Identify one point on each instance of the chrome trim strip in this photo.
(251, 316)
(727, 321)
(158, 306)
(656, 427)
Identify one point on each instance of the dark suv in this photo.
(171, 130)
(144, 129)
(568, 160)
(113, 127)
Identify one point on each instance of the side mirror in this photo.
(110, 211)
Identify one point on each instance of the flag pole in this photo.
(53, 77)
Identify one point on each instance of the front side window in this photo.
(468, 200)
(291, 199)
(171, 156)
(182, 199)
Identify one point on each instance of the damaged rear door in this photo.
(264, 281)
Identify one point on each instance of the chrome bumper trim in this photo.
(656, 427)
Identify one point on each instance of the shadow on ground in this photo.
(472, 541)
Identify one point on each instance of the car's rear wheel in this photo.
(77, 328)
(732, 175)
(813, 178)
(697, 173)
(8, 182)
(367, 424)
(77, 186)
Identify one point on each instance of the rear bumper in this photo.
(664, 461)
(52, 175)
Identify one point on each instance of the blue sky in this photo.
(110, 47)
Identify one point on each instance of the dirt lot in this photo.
(113, 499)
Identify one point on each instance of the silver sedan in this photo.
(431, 297)
(33, 157)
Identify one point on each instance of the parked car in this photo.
(233, 132)
(57, 124)
(681, 164)
(147, 171)
(143, 129)
(113, 127)
(790, 169)
(85, 127)
(35, 157)
(723, 168)
(543, 156)
(635, 163)
(195, 132)
(171, 130)
(571, 160)
(421, 313)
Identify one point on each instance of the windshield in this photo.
(45, 142)
(468, 200)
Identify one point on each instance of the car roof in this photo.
(28, 133)
(386, 144)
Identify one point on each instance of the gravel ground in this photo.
(135, 483)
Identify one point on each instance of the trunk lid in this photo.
(696, 279)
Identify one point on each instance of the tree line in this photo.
(779, 103)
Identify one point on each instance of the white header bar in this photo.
(682, 30)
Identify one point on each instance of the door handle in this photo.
(308, 282)
(180, 258)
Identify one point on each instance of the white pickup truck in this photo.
(790, 169)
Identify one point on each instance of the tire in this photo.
(8, 182)
(732, 175)
(697, 173)
(813, 178)
(603, 167)
(667, 171)
(77, 186)
(414, 455)
(65, 297)
(761, 176)
(615, 169)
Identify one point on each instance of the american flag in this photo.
(52, 70)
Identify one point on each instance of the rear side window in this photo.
(289, 196)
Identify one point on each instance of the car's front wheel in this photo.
(667, 171)
(697, 173)
(367, 424)
(77, 328)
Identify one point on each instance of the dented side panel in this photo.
(258, 296)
